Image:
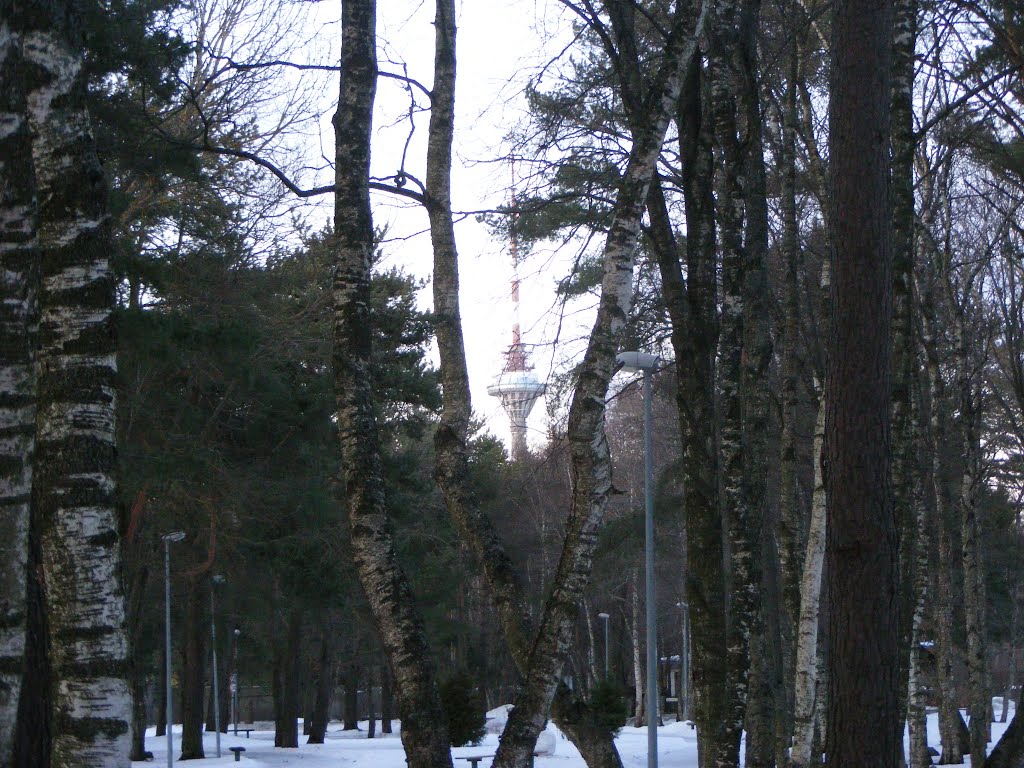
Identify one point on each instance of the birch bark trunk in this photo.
(949, 714)
(693, 310)
(974, 584)
(807, 688)
(638, 664)
(19, 296)
(745, 342)
(792, 505)
(905, 366)
(924, 505)
(74, 487)
(399, 624)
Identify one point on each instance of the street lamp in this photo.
(217, 579)
(684, 663)
(648, 363)
(234, 680)
(604, 617)
(168, 538)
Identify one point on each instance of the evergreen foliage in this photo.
(467, 719)
(609, 705)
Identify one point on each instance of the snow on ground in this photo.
(677, 748)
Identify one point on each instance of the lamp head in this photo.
(637, 361)
(218, 578)
(603, 616)
(173, 536)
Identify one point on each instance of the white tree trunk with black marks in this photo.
(638, 663)
(19, 286)
(73, 476)
(807, 685)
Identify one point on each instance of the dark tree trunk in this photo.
(161, 699)
(33, 732)
(211, 721)
(193, 673)
(1009, 752)
(864, 724)
(293, 681)
(386, 701)
(225, 698)
(325, 672)
(695, 342)
(286, 681)
(134, 556)
(398, 621)
(350, 715)
(138, 748)
(371, 725)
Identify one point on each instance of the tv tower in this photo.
(517, 386)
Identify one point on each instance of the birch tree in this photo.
(19, 291)
(424, 731)
(73, 484)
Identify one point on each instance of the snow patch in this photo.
(547, 742)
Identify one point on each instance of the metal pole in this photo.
(213, 645)
(167, 646)
(652, 640)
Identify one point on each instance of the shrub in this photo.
(467, 719)
(609, 706)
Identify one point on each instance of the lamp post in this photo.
(217, 579)
(168, 538)
(648, 363)
(234, 680)
(604, 617)
(684, 663)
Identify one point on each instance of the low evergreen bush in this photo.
(467, 718)
(609, 706)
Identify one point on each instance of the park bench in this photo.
(238, 751)
(474, 760)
